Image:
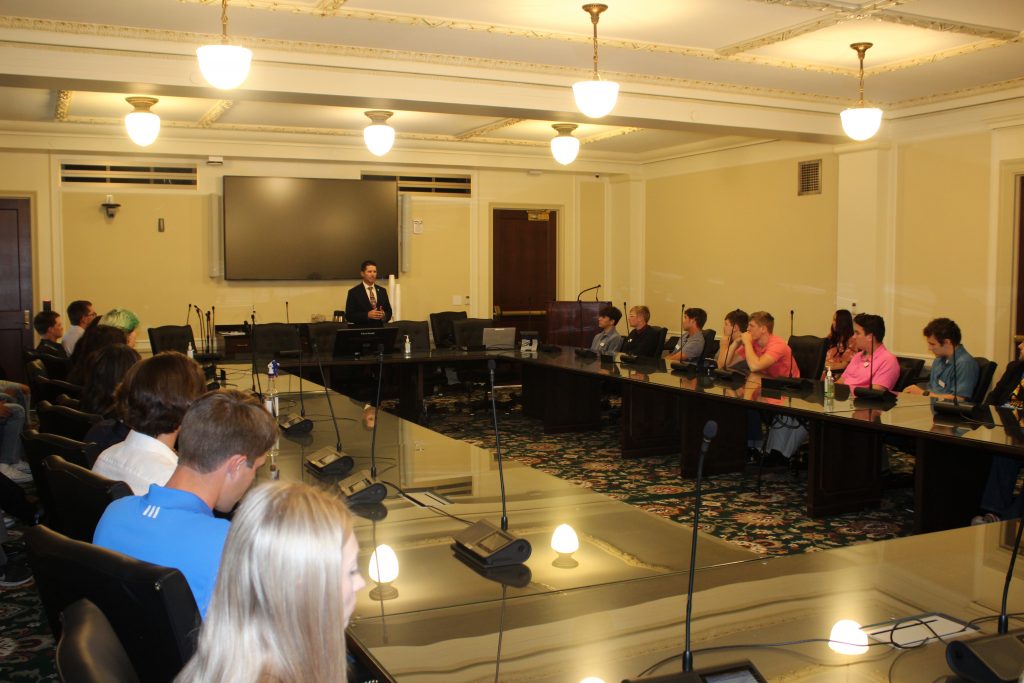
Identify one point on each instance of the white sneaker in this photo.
(14, 474)
(22, 466)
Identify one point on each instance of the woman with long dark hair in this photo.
(838, 341)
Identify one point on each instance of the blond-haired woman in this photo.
(289, 571)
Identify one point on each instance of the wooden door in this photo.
(15, 286)
(525, 267)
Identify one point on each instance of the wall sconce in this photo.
(383, 570)
(109, 207)
(565, 542)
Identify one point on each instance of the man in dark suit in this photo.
(367, 304)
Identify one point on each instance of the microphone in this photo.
(325, 460)
(296, 424)
(996, 657)
(258, 390)
(790, 335)
(597, 292)
(588, 289)
(788, 382)
(286, 318)
(199, 316)
(362, 488)
(688, 675)
(188, 313)
(869, 392)
(483, 545)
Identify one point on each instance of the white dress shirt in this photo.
(139, 461)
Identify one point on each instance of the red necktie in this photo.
(373, 296)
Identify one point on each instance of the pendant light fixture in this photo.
(223, 65)
(595, 98)
(861, 123)
(143, 126)
(379, 136)
(564, 147)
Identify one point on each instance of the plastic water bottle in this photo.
(408, 345)
(191, 353)
(271, 401)
(830, 383)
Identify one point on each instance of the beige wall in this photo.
(440, 258)
(592, 239)
(741, 237)
(942, 239)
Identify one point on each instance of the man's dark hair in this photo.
(698, 314)
(156, 392)
(77, 310)
(611, 312)
(942, 329)
(738, 318)
(764, 319)
(223, 423)
(362, 268)
(871, 324)
(44, 320)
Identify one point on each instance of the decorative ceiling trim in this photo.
(781, 36)
(608, 135)
(945, 26)
(62, 107)
(940, 56)
(487, 128)
(989, 88)
(214, 113)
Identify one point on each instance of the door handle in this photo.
(27, 318)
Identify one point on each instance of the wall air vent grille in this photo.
(439, 185)
(111, 175)
(809, 177)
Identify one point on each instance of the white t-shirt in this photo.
(138, 461)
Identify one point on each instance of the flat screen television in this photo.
(308, 228)
(355, 342)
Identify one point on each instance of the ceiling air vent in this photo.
(108, 175)
(415, 184)
(809, 177)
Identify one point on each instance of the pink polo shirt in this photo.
(883, 369)
(779, 349)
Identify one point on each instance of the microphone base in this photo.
(738, 672)
(328, 461)
(512, 575)
(869, 394)
(584, 353)
(961, 408)
(992, 659)
(295, 424)
(361, 489)
(549, 348)
(485, 546)
(786, 383)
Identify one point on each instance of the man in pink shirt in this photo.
(873, 363)
(764, 352)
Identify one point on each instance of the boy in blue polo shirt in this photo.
(224, 438)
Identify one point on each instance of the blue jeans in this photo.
(11, 427)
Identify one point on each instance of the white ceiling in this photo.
(693, 72)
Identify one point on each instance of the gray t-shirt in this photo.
(606, 342)
(692, 347)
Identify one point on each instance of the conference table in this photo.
(615, 609)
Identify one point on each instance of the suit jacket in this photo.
(357, 306)
(1007, 383)
(642, 343)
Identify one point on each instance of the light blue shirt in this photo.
(942, 380)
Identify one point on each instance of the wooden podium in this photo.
(572, 323)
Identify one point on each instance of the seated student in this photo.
(290, 569)
(12, 424)
(872, 361)
(152, 398)
(224, 439)
(80, 314)
(838, 340)
(943, 337)
(608, 340)
(997, 501)
(124, 320)
(643, 339)
(733, 327)
(50, 329)
(764, 352)
(101, 381)
(95, 338)
(691, 342)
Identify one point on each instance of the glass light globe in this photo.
(564, 540)
(143, 127)
(383, 564)
(861, 123)
(847, 638)
(595, 98)
(224, 66)
(379, 137)
(564, 147)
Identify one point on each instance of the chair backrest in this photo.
(670, 343)
(418, 331)
(986, 371)
(443, 329)
(171, 338)
(151, 608)
(910, 371)
(89, 650)
(80, 497)
(65, 400)
(39, 446)
(470, 331)
(809, 354)
(710, 343)
(323, 335)
(662, 334)
(269, 339)
(74, 424)
(57, 367)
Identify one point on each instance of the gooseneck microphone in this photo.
(588, 289)
(325, 460)
(252, 352)
(188, 313)
(362, 488)
(296, 424)
(376, 409)
(791, 328)
(483, 545)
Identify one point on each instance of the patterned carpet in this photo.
(772, 522)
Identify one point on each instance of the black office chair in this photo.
(150, 608)
(79, 497)
(441, 326)
(67, 401)
(662, 333)
(418, 331)
(670, 343)
(89, 651)
(469, 332)
(74, 424)
(910, 372)
(270, 339)
(171, 338)
(57, 367)
(323, 334)
(711, 344)
(44, 387)
(986, 371)
(809, 354)
(39, 446)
